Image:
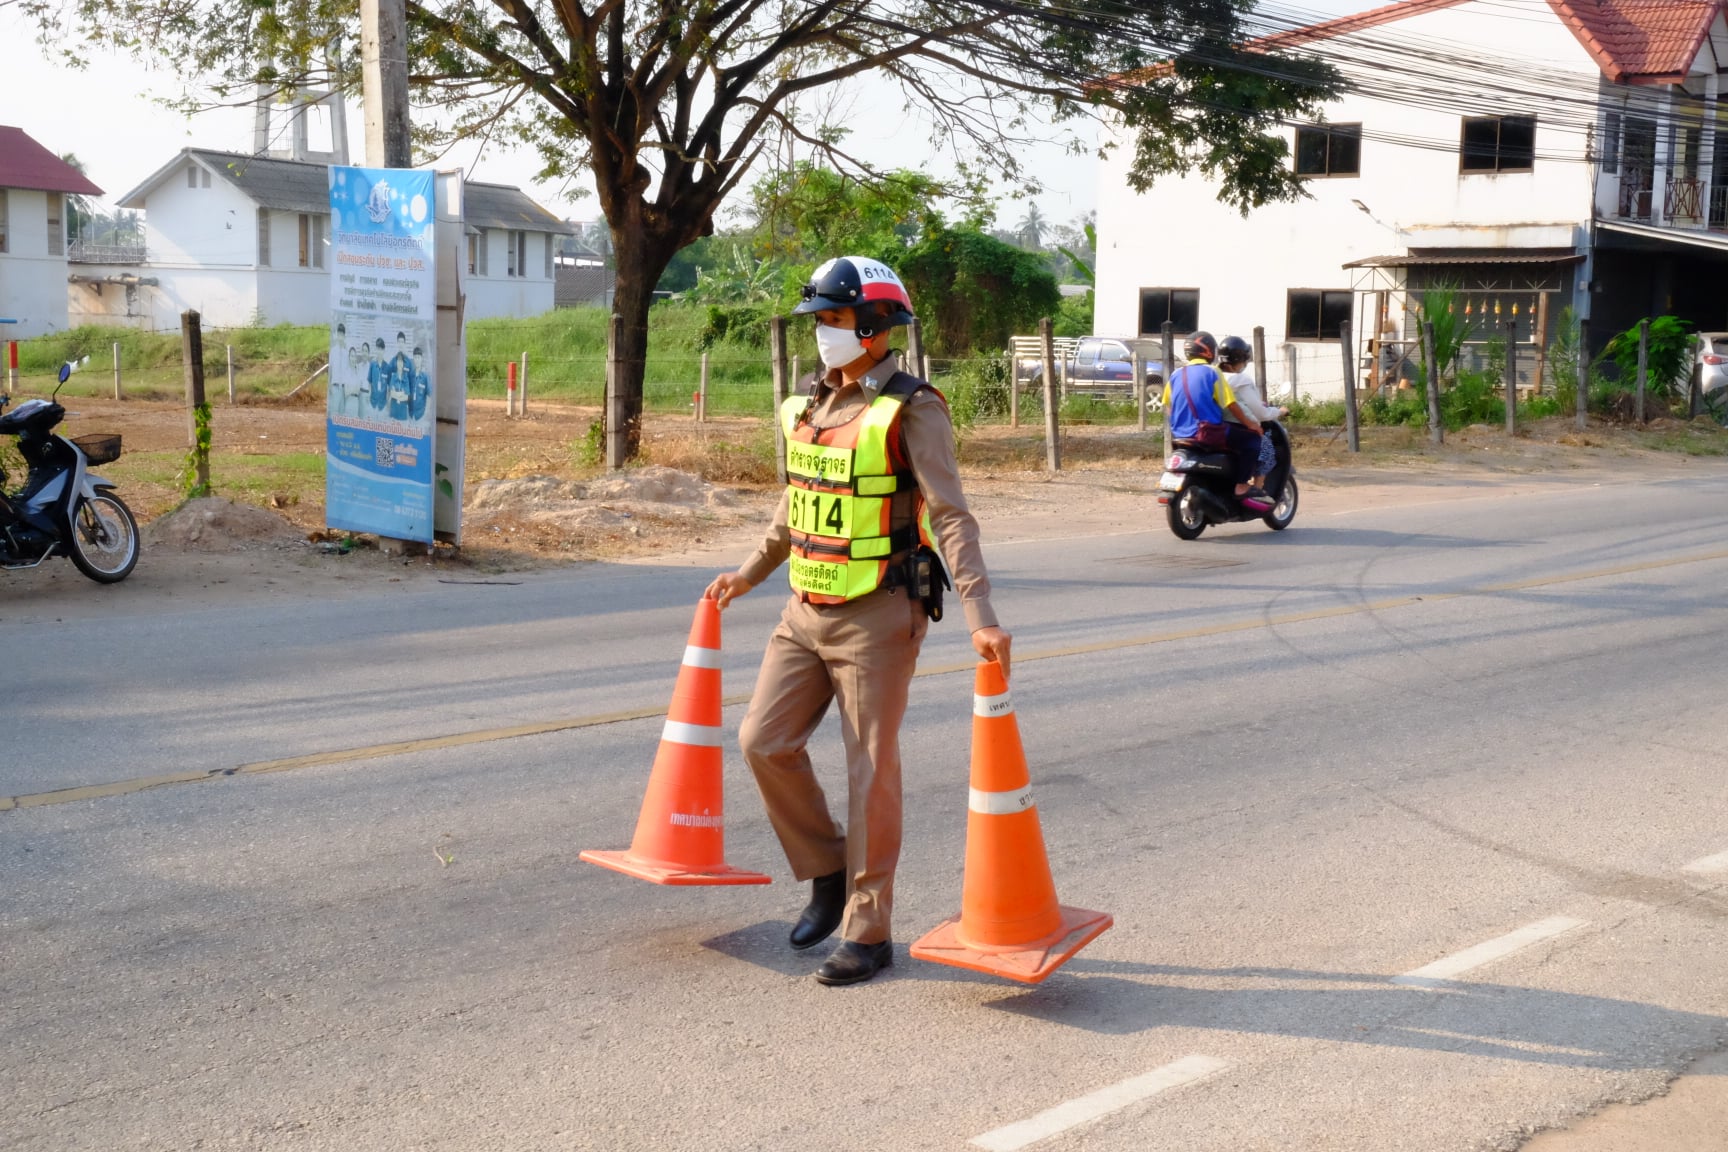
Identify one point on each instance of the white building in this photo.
(1587, 171)
(244, 239)
(34, 184)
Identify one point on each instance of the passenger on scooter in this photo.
(1195, 400)
(1234, 356)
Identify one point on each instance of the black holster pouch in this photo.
(926, 578)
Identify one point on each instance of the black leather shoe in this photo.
(854, 963)
(822, 915)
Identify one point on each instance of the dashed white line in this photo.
(1100, 1103)
(1442, 970)
(1716, 863)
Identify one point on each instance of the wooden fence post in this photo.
(777, 365)
(1137, 373)
(1352, 426)
(1511, 377)
(1291, 370)
(1431, 375)
(192, 356)
(117, 393)
(1047, 344)
(1582, 399)
(1169, 334)
(617, 434)
(1013, 389)
(702, 393)
(1643, 364)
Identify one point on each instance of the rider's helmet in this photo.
(869, 287)
(1201, 346)
(1234, 350)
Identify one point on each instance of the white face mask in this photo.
(838, 346)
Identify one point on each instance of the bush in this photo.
(1074, 317)
(977, 391)
(1474, 399)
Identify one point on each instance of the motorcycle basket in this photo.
(99, 448)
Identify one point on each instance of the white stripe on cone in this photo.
(695, 657)
(1002, 705)
(1000, 803)
(696, 735)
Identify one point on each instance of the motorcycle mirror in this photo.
(65, 371)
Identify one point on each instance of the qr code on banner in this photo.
(385, 452)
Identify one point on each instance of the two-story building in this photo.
(34, 184)
(245, 238)
(1534, 155)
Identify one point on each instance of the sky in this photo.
(109, 114)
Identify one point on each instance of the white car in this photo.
(1712, 362)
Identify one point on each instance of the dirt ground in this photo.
(535, 498)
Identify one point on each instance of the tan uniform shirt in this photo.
(929, 441)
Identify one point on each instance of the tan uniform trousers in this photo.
(862, 655)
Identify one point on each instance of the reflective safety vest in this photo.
(840, 486)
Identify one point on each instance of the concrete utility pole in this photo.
(384, 82)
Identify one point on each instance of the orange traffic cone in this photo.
(1010, 924)
(681, 832)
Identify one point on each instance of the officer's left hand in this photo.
(992, 644)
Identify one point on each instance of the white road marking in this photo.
(1100, 1103)
(1442, 970)
(1716, 863)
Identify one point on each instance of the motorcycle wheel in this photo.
(104, 541)
(1285, 510)
(1185, 516)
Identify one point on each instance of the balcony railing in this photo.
(1635, 194)
(1683, 200)
(85, 252)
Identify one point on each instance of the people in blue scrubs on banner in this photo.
(422, 390)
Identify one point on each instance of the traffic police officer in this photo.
(873, 501)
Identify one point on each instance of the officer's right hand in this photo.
(727, 587)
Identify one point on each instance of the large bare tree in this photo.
(670, 103)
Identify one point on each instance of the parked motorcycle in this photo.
(1198, 487)
(63, 509)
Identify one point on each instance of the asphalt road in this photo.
(1479, 738)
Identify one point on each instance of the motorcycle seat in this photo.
(1203, 456)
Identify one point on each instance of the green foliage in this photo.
(1407, 407)
(977, 392)
(1074, 316)
(973, 291)
(1439, 307)
(197, 456)
(590, 450)
(737, 278)
(1668, 356)
(1473, 399)
(810, 213)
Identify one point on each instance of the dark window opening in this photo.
(1180, 306)
(1498, 144)
(1316, 313)
(1334, 150)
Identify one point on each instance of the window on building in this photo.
(1329, 150)
(1611, 144)
(4, 220)
(473, 253)
(515, 253)
(1316, 313)
(311, 230)
(56, 224)
(548, 256)
(305, 234)
(1180, 306)
(191, 175)
(263, 237)
(1498, 144)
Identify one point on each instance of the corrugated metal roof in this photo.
(505, 206)
(26, 164)
(303, 186)
(1424, 258)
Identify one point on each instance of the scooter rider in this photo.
(1234, 357)
(1195, 400)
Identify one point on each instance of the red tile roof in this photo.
(1640, 41)
(1632, 41)
(26, 164)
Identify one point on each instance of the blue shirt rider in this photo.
(1195, 399)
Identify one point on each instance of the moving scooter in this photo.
(1198, 487)
(63, 509)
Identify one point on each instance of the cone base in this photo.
(1028, 963)
(678, 876)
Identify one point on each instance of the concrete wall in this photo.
(209, 228)
(1177, 235)
(32, 283)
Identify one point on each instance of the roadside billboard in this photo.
(379, 453)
